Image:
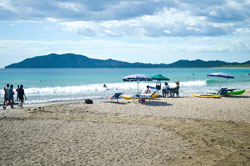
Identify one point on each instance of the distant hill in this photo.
(79, 61)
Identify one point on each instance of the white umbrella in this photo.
(137, 77)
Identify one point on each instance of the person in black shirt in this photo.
(21, 96)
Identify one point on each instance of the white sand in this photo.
(177, 131)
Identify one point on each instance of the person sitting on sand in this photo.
(146, 91)
(21, 96)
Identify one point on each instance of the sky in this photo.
(148, 31)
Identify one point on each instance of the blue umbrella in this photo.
(137, 77)
(225, 75)
(220, 74)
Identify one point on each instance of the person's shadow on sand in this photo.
(157, 103)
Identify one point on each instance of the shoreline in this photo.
(163, 131)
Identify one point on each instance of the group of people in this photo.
(9, 96)
(167, 91)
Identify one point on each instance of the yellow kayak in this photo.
(135, 97)
(205, 95)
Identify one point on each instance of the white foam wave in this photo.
(194, 83)
(71, 90)
(96, 91)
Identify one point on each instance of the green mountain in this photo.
(76, 61)
(79, 61)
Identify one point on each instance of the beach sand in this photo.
(164, 131)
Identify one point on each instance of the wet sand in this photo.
(164, 131)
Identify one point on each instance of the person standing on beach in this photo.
(11, 96)
(17, 92)
(5, 96)
(21, 96)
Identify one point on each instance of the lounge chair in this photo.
(149, 97)
(116, 96)
(223, 92)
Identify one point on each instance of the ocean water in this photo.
(61, 85)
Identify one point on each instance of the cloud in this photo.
(79, 10)
(168, 22)
(150, 18)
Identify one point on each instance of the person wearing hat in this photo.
(175, 90)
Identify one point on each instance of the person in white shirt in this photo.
(165, 90)
(146, 91)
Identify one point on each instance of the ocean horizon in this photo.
(76, 84)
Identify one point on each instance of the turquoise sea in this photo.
(61, 85)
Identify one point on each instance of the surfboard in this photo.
(205, 95)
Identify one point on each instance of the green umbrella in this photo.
(159, 77)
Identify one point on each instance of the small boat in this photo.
(236, 92)
(233, 92)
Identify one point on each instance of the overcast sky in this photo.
(152, 31)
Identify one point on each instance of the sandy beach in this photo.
(164, 131)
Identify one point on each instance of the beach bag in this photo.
(142, 100)
(88, 101)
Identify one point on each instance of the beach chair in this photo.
(223, 92)
(165, 92)
(149, 97)
(116, 96)
(174, 91)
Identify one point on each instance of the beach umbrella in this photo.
(159, 77)
(220, 74)
(224, 75)
(138, 78)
